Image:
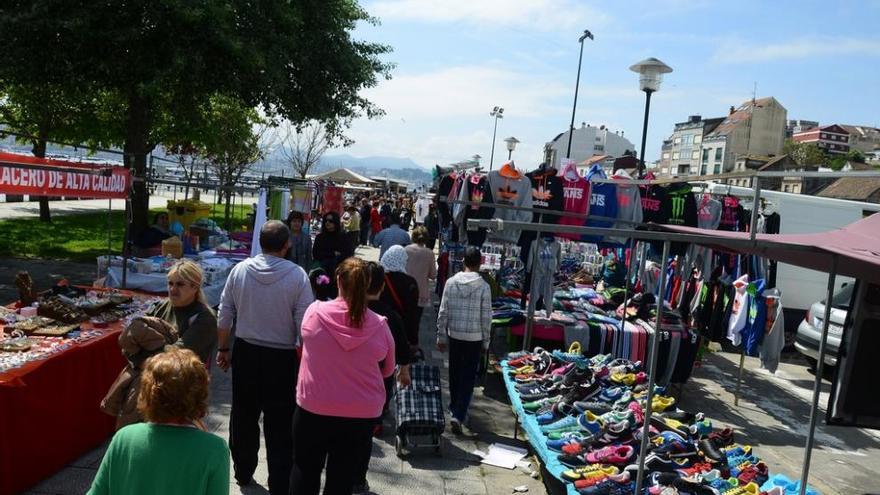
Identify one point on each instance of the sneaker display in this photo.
(621, 478)
(587, 471)
(617, 455)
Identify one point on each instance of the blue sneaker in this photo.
(612, 394)
(589, 422)
(567, 438)
(566, 423)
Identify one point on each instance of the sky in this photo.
(457, 59)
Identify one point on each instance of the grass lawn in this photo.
(77, 237)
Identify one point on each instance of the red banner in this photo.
(22, 174)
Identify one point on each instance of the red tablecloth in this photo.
(49, 412)
(543, 332)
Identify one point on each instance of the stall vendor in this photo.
(156, 233)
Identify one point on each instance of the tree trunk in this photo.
(227, 211)
(136, 148)
(39, 151)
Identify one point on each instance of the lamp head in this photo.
(587, 34)
(511, 143)
(650, 73)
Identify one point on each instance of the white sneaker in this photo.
(467, 432)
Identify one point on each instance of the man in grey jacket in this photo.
(265, 297)
(464, 322)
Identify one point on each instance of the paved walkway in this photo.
(772, 416)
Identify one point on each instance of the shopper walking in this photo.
(463, 323)
(300, 251)
(401, 356)
(365, 212)
(169, 454)
(375, 221)
(340, 392)
(266, 297)
(422, 266)
(432, 224)
(351, 224)
(187, 310)
(331, 245)
(402, 292)
(391, 236)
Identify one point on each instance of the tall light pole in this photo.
(650, 73)
(498, 113)
(511, 145)
(577, 82)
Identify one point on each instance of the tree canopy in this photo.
(153, 64)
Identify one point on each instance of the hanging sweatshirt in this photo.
(652, 203)
(731, 215)
(708, 216)
(474, 188)
(680, 208)
(756, 320)
(514, 192)
(629, 205)
(739, 310)
(546, 193)
(576, 199)
(603, 202)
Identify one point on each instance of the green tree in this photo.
(805, 153)
(155, 63)
(855, 156)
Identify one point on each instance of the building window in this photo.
(698, 139)
(686, 139)
(677, 140)
(717, 169)
(823, 136)
(695, 155)
(599, 147)
(598, 138)
(684, 169)
(666, 156)
(675, 155)
(719, 153)
(703, 169)
(706, 155)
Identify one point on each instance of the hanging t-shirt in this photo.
(513, 191)
(332, 200)
(680, 208)
(603, 203)
(653, 197)
(709, 214)
(576, 199)
(731, 215)
(629, 206)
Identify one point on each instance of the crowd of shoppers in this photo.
(318, 341)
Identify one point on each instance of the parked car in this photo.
(809, 332)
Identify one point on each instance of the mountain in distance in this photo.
(378, 166)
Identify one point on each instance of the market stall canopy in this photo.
(857, 246)
(345, 175)
(27, 174)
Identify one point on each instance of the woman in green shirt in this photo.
(169, 454)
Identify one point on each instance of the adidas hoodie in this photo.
(339, 373)
(465, 309)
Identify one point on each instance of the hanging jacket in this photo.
(739, 310)
(732, 215)
(774, 331)
(603, 202)
(477, 189)
(756, 319)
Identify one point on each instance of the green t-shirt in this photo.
(148, 458)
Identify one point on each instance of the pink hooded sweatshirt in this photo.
(339, 373)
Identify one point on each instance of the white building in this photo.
(680, 154)
(587, 141)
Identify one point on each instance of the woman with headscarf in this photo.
(331, 245)
(300, 251)
(402, 292)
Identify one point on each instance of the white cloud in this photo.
(539, 15)
(738, 52)
(466, 91)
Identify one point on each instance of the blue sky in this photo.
(456, 59)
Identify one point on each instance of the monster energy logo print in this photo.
(677, 208)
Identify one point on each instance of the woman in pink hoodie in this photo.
(340, 391)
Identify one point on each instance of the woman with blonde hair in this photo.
(347, 350)
(187, 310)
(168, 454)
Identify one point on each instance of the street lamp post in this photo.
(498, 113)
(511, 145)
(650, 73)
(577, 82)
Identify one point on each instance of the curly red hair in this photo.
(174, 387)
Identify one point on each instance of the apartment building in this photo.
(757, 127)
(586, 142)
(833, 139)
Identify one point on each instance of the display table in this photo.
(157, 283)
(49, 413)
(549, 461)
(540, 331)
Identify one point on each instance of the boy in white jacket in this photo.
(464, 322)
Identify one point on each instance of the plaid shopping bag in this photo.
(421, 403)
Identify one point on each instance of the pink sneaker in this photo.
(613, 454)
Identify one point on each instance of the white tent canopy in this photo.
(345, 175)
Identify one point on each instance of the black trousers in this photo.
(464, 364)
(366, 452)
(263, 382)
(337, 442)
